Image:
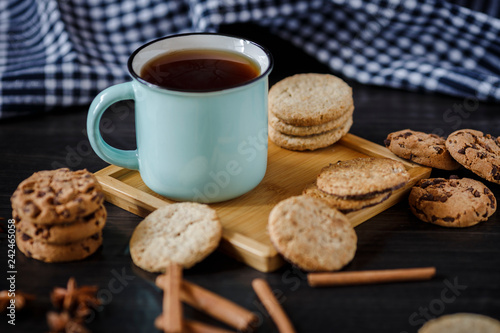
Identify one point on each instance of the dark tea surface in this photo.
(200, 70)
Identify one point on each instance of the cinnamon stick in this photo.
(370, 277)
(172, 306)
(214, 305)
(266, 296)
(192, 326)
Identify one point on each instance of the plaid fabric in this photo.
(61, 53)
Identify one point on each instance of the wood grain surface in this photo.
(244, 219)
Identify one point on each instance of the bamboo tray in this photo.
(244, 219)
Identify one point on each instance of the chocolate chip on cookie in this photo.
(64, 233)
(476, 151)
(362, 178)
(422, 148)
(452, 202)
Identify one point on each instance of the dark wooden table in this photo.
(467, 260)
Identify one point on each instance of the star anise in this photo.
(75, 303)
(20, 299)
(57, 321)
(76, 300)
(64, 323)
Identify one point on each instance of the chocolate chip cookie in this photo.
(362, 178)
(57, 196)
(452, 202)
(312, 235)
(422, 148)
(63, 233)
(476, 151)
(48, 252)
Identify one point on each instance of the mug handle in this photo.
(123, 158)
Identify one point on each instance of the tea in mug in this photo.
(200, 70)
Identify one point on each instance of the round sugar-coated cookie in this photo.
(311, 235)
(461, 323)
(452, 202)
(342, 204)
(362, 178)
(57, 196)
(476, 151)
(422, 148)
(288, 129)
(48, 252)
(311, 142)
(184, 233)
(310, 99)
(63, 233)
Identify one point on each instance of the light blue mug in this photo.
(192, 146)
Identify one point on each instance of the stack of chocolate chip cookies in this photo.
(309, 111)
(351, 185)
(59, 215)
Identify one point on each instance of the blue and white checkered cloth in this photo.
(63, 52)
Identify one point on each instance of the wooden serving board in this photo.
(244, 219)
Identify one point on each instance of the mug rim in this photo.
(152, 85)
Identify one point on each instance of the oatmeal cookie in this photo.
(312, 235)
(184, 233)
(362, 178)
